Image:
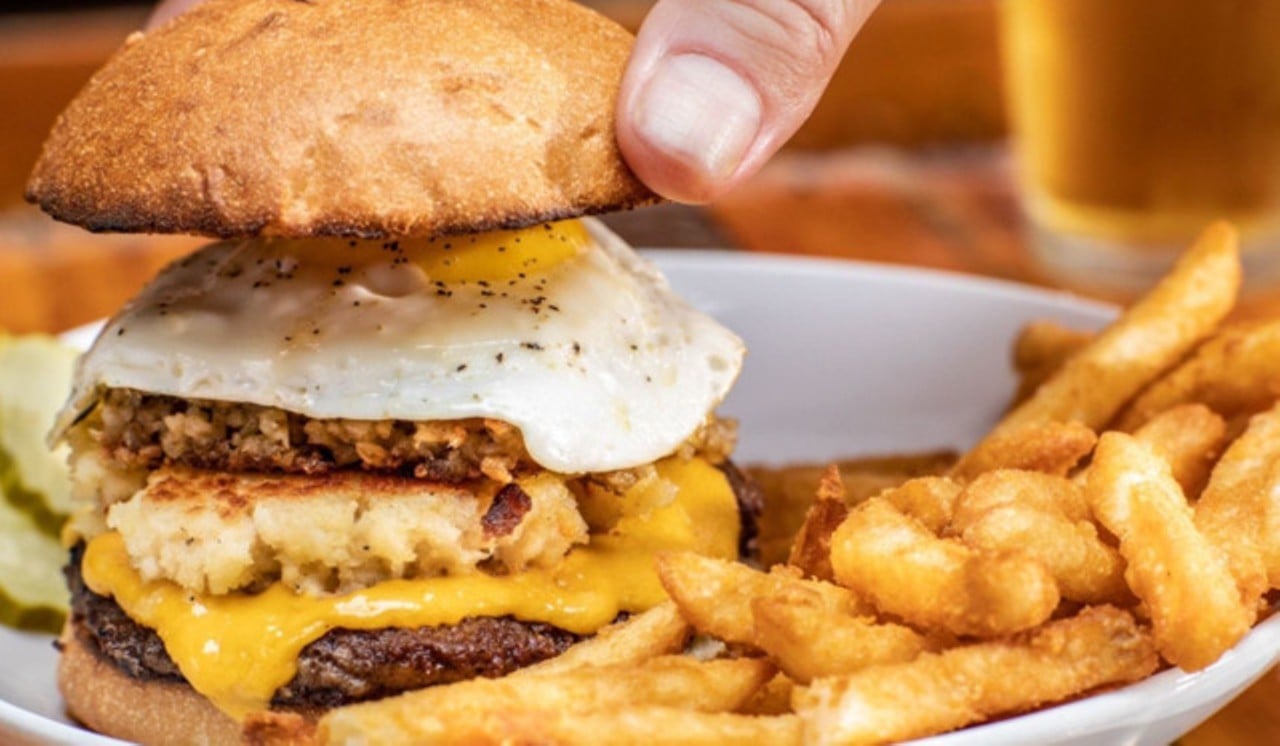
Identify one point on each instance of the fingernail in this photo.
(699, 112)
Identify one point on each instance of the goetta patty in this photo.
(145, 431)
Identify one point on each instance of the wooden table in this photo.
(949, 210)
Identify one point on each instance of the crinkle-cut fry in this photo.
(1041, 491)
(807, 640)
(1046, 343)
(774, 698)
(894, 561)
(1239, 504)
(1049, 447)
(811, 551)
(1040, 349)
(1046, 518)
(438, 714)
(1189, 437)
(929, 500)
(715, 595)
(789, 491)
(1183, 579)
(938, 692)
(658, 631)
(1156, 332)
(626, 726)
(1235, 372)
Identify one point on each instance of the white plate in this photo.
(845, 359)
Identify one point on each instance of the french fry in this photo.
(929, 500)
(1183, 580)
(1047, 519)
(715, 595)
(811, 551)
(1157, 331)
(1238, 506)
(789, 491)
(894, 561)
(938, 692)
(1189, 437)
(808, 640)
(658, 631)
(774, 698)
(1049, 447)
(1041, 348)
(443, 714)
(1236, 372)
(627, 726)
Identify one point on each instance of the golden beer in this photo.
(1140, 121)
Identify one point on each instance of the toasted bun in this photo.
(371, 118)
(155, 713)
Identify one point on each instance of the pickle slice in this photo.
(33, 594)
(35, 377)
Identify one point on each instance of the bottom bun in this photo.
(154, 713)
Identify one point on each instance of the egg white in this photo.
(596, 360)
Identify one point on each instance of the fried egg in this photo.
(560, 329)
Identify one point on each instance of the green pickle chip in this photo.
(35, 377)
(33, 594)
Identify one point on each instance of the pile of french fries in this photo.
(1123, 516)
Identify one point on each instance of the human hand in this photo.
(715, 87)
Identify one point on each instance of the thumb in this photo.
(715, 87)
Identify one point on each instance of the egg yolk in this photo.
(501, 255)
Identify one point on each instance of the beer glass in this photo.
(1138, 122)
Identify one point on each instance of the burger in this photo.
(412, 418)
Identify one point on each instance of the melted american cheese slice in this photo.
(237, 649)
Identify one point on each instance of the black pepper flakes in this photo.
(461, 368)
(531, 345)
(500, 357)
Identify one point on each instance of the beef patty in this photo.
(343, 666)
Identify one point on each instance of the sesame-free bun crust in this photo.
(331, 117)
(154, 713)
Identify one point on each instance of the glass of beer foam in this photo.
(1137, 123)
